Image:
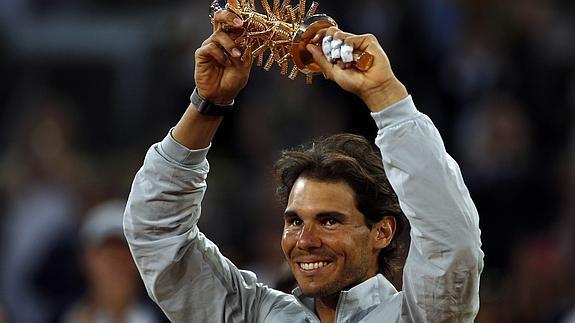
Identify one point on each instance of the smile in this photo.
(312, 265)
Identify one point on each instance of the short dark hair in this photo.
(355, 161)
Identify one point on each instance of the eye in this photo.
(330, 222)
(293, 221)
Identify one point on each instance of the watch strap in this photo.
(209, 108)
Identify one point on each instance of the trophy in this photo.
(284, 31)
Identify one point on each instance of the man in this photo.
(331, 244)
(113, 288)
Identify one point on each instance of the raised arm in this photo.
(441, 274)
(220, 74)
(183, 271)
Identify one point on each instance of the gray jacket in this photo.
(192, 281)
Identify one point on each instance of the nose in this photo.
(308, 238)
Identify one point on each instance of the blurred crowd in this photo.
(89, 85)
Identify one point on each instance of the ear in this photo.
(383, 232)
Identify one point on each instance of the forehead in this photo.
(311, 195)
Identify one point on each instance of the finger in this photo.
(225, 41)
(332, 45)
(346, 52)
(361, 42)
(326, 47)
(338, 34)
(244, 62)
(331, 31)
(247, 59)
(238, 59)
(319, 35)
(213, 51)
(322, 33)
(226, 18)
(320, 59)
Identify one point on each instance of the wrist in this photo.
(384, 95)
(195, 130)
(208, 107)
(219, 96)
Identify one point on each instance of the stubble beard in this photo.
(338, 284)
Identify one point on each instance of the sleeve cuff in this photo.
(180, 153)
(396, 113)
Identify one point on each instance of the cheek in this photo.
(355, 246)
(288, 241)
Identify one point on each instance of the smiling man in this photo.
(328, 244)
(326, 238)
(341, 217)
(341, 214)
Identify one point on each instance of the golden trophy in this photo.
(284, 31)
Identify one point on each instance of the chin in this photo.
(318, 291)
(325, 290)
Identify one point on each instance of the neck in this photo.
(326, 308)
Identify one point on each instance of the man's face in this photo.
(111, 271)
(325, 239)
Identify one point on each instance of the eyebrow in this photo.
(322, 215)
(332, 215)
(290, 215)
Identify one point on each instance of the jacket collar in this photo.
(355, 301)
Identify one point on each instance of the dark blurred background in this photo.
(88, 85)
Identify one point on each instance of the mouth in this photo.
(311, 266)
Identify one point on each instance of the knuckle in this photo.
(207, 41)
(222, 38)
(332, 30)
(342, 34)
(224, 16)
(211, 46)
(203, 49)
(371, 37)
(220, 15)
(208, 49)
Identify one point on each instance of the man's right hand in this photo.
(220, 73)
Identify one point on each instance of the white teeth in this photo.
(312, 265)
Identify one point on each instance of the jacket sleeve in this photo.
(183, 271)
(441, 273)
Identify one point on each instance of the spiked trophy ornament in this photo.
(284, 31)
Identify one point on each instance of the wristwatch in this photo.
(208, 108)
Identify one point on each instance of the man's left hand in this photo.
(377, 87)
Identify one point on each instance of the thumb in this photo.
(318, 56)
